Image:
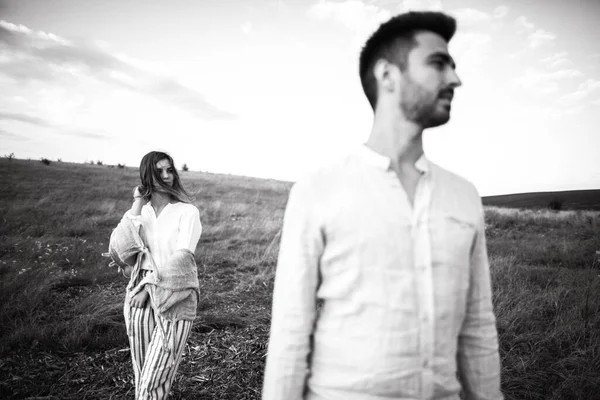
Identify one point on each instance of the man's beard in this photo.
(419, 106)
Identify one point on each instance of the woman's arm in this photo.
(139, 300)
(124, 243)
(138, 202)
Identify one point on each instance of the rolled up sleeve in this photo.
(190, 229)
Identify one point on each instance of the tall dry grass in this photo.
(546, 276)
(59, 298)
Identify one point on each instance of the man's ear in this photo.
(385, 74)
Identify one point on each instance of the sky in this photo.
(270, 88)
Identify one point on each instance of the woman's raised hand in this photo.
(138, 201)
(136, 193)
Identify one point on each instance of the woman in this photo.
(156, 240)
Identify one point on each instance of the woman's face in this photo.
(165, 169)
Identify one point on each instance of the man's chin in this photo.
(440, 118)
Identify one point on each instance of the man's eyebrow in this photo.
(444, 56)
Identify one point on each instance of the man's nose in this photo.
(453, 79)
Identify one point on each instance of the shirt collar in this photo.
(378, 160)
(422, 164)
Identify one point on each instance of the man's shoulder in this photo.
(327, 174)
(456, 194)
(456, 182)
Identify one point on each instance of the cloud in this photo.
(535, 37)
(171, 91)
(469, 44)
(276, 3)
(417, 5)
(540, 38)
(247, 28)
(473, 19)
(586, 92)
(98, 135)
(26, 55)
(523, 23)
(470, 49)
(469, 17)
(556, 60)
(500, 12)
(12, 136)
(24, 118)
(363, 17)
(594, 57)
(29, 119)
(353, 14)
(544, 83)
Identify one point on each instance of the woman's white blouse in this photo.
(177, 227)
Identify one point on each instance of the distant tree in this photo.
(184, 167)
(59, 159)
(10, 156)
(121, 166)
(45, 161)
(555, 205)
(99, 162)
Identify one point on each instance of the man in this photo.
(391, 246)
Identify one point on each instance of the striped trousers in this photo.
(154, 365)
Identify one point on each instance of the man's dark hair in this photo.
(394, 39)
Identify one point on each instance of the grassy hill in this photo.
(565, 200)
(61, 329)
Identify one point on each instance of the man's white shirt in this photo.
(404, 290)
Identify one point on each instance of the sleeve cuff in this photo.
(136, 219)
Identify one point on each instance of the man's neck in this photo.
(396, 138)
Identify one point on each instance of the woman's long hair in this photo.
(152, 181)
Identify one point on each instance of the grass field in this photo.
(61, 329)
